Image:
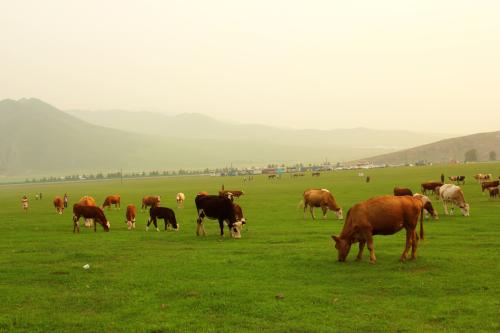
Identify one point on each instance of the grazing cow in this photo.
(450, 193)
(316, 174)
(231, 193)
(150, 201)
(180, 198)
(89, 212)
(59, 205)
(164, 213)
(431, 186)
(24, 203)
(493, 192)
(130, 216)
(485, 185)
(481, 177)
(384, 215)
(457, 179)
(428, 208)
(217, 208)
(111, 200)
(270, 177)
(400, 191)
(320, 198)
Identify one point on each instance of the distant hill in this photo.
(348, 142)
(453, 149)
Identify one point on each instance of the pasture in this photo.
(281, 276)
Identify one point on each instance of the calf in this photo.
(217, 208)
(431, 186)
(130, 216)
(164, 213)
(401, 191)
(89, 212)
(59, 205)
(384, 215)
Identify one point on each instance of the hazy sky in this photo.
(422, 65)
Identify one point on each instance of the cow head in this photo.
(106, 226)
(343, 246)
(236, 229)
(465, 210)
(339, 214)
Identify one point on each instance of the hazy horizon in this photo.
(418, 66)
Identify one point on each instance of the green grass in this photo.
(177, 282)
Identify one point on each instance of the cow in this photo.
(130, 215)
(457, 179)
(238, 212)
(202, 193)
(270, 177)
(150, 201)
(493, 192)
(164, 213)
(431, 186)
(400, 191)
(481, 177)
(316, 174)
(111, 200)
(180, 198)
(451, 193)
(89, 212)
(320, 198)
(485, 185)
(59, 205)
(428, 208)
(217, 208)
(232, 193)
(383, 215)
(87, 201)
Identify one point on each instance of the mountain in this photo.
(353, 142)
(453, 149)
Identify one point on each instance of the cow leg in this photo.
(149, 222)
(311, 209)
(369, 241)
(155, 222)
(445, 208)
(324, 209)
(409, 236)
(221, 225)
(305, 207)
(361, 248)
(414, 245)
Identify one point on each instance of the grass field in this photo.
(177, 282)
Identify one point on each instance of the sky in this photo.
(425, 65)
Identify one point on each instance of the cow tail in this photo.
(422, 223)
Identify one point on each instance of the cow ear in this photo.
(335, 238)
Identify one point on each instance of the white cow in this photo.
(180, 198)
(450, 193)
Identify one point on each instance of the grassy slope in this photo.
(213, 285)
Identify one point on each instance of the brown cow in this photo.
(320, 198)
(238, 212)
(485, 185)
(231, 193)
(202, 193)
(89, 212)
(428, 208)
(493, 192)
(150, 201)
(111, 200)
(383, 215)
(130, 216)
(316, 174)
(400, 191)
(431, 186)
(59, 205)
(481, 177)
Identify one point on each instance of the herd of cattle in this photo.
(383, 215)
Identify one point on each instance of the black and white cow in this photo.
(217, 208)
(164, 213)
